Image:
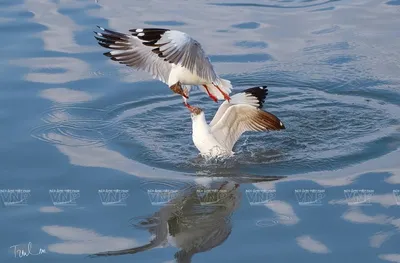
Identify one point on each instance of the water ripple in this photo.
(291, 4)
(87, 125)
(321, 128)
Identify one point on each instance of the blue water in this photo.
(120, 142)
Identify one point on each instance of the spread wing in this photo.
(253, 96)
(133, 52)
(178, 48)
(155, 50)
(238, 119)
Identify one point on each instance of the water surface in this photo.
(73, 120)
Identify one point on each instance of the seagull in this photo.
(243, 113)
(170, 56)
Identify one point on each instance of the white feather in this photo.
(183, 59)
(229, 123)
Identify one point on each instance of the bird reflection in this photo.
(197, 220)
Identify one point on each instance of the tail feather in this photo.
(224, 84)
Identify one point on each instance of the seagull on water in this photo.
(243, 113)
(171, 56)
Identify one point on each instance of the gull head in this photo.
(196, 111)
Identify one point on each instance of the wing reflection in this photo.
(197, 220)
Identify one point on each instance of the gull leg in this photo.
(226, 96)
(210, 95)
(186, 103)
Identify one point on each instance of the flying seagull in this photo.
(171, 56)
(243, 113)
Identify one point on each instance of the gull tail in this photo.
(252, 96)
(224, 85)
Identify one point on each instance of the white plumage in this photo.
(232, 119)
(171, 56)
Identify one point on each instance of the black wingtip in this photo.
(101, 28)
(108, 54)
(259, 92)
